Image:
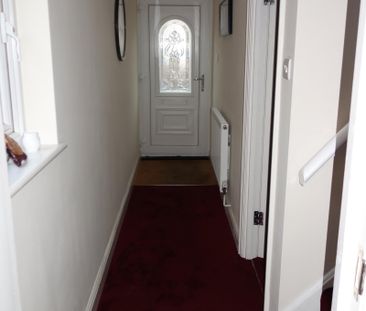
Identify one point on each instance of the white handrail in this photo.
(322, 157)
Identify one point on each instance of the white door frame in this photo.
(9, 290)
(259, 70)
(144, 79)
(352, 231)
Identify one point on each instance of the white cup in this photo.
(31, 142)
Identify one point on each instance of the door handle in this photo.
(202, 81)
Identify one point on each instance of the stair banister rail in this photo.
(323, 156)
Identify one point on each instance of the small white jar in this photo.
(31, 142)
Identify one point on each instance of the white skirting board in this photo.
(233, 224)
(108, 249)
(310, 300)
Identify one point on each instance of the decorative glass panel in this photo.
(175, 57)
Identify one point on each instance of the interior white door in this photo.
(352, 233)
(259, 72)
(175, 87)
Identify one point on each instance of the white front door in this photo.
(175, 86)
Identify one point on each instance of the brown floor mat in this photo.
(175, 172)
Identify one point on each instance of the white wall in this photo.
(312, 33)
(9, 290)
(64, 217)
(228, 90)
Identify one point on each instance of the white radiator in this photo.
(220, 148)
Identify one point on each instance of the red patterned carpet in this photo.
(175, 251)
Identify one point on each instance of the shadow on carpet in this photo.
(175, 251)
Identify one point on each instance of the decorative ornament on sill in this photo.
(14, 151)
(31, 142)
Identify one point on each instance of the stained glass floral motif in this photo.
(175, 57)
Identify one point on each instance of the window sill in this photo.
(20, 176)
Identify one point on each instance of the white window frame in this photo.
(11, 103)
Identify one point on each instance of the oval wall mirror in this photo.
(120, 28)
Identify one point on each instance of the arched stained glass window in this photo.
(175, 57)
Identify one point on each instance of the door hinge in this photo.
(258, 218)
(269, 2)
(360, 276)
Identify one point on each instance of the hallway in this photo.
(175, 250)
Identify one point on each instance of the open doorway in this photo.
(232, 72)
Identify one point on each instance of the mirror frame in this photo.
(120, 28)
